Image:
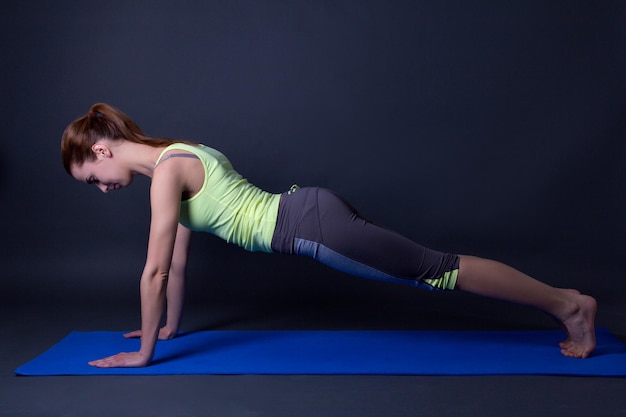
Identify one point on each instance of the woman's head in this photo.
(102, 122)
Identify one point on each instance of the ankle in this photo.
(567, 307)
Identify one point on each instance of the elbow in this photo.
(153, 285)
(155, 276)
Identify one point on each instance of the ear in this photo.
(101, 150)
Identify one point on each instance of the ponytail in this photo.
(102, 122)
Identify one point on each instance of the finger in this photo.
(133, 334)
(100, 363)
(109, 362)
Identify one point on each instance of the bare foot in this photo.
(579, 326)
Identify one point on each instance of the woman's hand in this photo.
(164, 334)
(122, 360)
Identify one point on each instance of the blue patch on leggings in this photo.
(342, 263)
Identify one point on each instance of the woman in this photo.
(195, 187)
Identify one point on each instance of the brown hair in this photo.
(102, 122)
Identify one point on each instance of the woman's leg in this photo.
(574, 310)
(331, 231)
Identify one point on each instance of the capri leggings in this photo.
(315, 222)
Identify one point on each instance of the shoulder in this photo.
(168, 172)
(181, 168)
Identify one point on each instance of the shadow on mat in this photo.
(200, 346)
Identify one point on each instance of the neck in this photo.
(140, 158)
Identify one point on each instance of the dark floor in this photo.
(30, 328)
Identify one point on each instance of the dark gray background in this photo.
(471, 127)
(489, 128)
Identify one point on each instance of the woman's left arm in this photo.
(165, 194)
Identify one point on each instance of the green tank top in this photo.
(227, 205)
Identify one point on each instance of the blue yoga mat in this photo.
(337, 352)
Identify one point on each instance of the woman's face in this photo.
(105, 173)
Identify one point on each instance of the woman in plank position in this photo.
(194, 187)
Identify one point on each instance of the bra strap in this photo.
(172, 155)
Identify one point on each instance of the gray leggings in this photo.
(315, 222)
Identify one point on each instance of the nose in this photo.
(103, 188)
